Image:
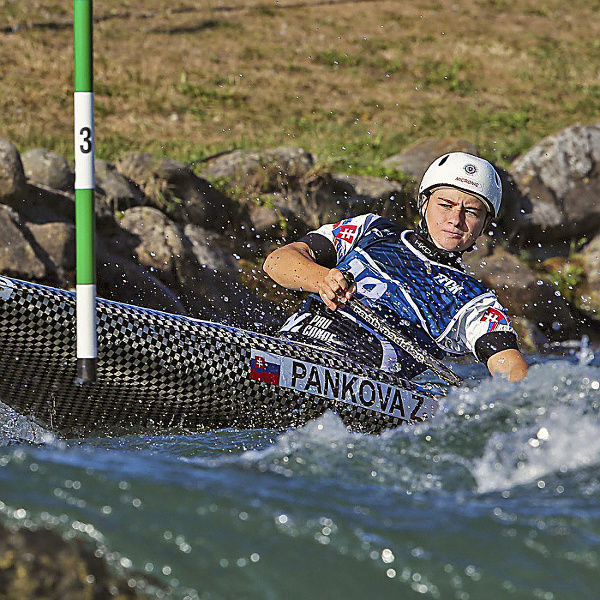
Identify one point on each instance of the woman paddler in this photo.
(412, 279)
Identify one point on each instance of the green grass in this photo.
(353, 83)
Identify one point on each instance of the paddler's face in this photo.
(455, 218)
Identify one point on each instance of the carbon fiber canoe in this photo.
(158, 371)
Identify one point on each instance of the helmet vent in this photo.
(443, 160)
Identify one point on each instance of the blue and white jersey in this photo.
(439, 305)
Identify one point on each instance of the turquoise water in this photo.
(497, 497)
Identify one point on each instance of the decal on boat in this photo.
(337, 385)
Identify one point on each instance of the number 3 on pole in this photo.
(84, 134)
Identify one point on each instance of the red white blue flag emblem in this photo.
(263, 370)
(494, 318)
(344, 232)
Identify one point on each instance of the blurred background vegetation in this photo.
(353, 81)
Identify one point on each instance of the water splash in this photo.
(585, 355)
(561, 443)
(16, 428)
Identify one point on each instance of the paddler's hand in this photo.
(334, 289)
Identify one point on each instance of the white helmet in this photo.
(468, 173)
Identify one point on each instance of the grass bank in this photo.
(352, 81)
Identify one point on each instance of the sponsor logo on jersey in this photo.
(349, 388)
(494, 318)
(344, 231)
(452, 286)
(7, 287)
(262, 369)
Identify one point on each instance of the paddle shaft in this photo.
(408, 345)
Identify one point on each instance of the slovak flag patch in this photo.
(344, 231)
(263, 370)
(494, 318)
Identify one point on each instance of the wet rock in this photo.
(124, 280)
(49, 169)
(328, 197)
(12, 175)
(589, 294)
(317, 199)
(265, 170)
(57, 239)
(178, 192)
(531, 337)
(525, 293)
(119, 192)
(559, 186)
(382, 196)
(160, 243)
(195, 262)
(217, 275)
(201, 203)
(40, 564)
(265, 218)
(18, 257)
(415, 159)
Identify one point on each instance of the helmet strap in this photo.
(422, 240)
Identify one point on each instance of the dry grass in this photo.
(353, 81)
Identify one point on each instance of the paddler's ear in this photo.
(422, 202)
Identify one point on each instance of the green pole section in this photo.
(85, 219)
(84, 79)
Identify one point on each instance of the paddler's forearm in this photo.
(294, 267)
(509, 364)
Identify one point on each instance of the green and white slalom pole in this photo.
(85, 223)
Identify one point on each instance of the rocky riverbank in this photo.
(190, 239)
(39, 563)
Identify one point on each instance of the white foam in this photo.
(564, 440)
(14, 427)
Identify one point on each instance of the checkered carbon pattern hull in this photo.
(155, 371)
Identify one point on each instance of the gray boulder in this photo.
(589, 294)
(122, 279)
(217, 275)
(558, 185)
(525, 293)
(46, 168)
(12, 175)
(116, 190)
(177, 191)
(317, 199)
(18, 255)
(195, 262)
(382, 196)
(57, 240)
(415, 159)
(265, 218)
(160, 242)
(266, 170)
